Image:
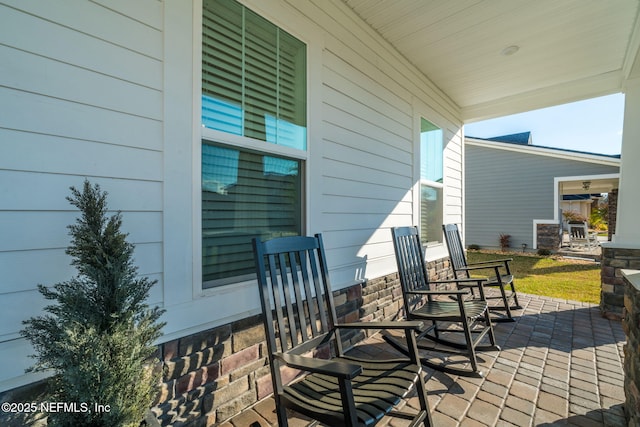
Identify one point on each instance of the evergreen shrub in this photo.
(97, 336)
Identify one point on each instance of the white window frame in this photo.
(190, 308)
(242, 142)
(433, 184)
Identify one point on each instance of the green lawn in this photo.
(558, 278)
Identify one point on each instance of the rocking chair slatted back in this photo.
(302, 322)
(578, 231)
(446, 310)
(411, 266)
(498, 272)
(579, 235)
(456, 251)
(309, 372)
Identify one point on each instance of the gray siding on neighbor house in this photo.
(507, 190)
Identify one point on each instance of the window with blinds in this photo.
(254, 86)
(253, 76)
(244, 195)
(431, 182)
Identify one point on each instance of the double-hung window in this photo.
(254, 100)
(431, 182)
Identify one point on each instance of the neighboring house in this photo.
(512, 186)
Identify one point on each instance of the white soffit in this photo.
(567, 50)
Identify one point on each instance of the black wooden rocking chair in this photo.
(446, 310)
(499, 275)
(341, 391)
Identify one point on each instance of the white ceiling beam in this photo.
(631, 66)
(577, 90)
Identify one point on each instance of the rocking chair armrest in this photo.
(494, 261)
(416, 325)
(321, 366)
(463, 281)
(456, 292)
(483, 266)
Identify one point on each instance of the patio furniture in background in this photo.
(445, 310)
(580, 236)
(294, 287)
(501, 278)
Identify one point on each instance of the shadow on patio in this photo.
(560, 364)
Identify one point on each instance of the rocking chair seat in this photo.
(449, 311)
(374, 398)
(304, 336)
(445, 313)
(504, 278)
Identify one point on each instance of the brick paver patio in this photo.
(560, 364)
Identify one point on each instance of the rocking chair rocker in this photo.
(448, 315)
(341, 391)
(499, 272)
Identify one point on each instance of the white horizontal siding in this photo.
(48, 192)
(353, 40)
(352, 185)
(369, 144)
(378, 101)
(13, 313)
(339, 109)
(378, 163)
(80, 97)
(149, 12)
(24, 270)
(17, 351)
(51, 40)
(361, 220)
(15, 304)
(35, 74)
(28, 112)
(359, 135)
(354, 204)
(106, 20)
(31, 152)
(111, 126)
(37, 230)
(453, 177)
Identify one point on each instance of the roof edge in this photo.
(608, 159)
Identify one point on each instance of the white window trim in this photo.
(453, 210)
(242, 142)
(421, 114)
(197, 283)
(431, 184)
(189, 308)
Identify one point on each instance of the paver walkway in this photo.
(560, 364)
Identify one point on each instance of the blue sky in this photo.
(594, 125)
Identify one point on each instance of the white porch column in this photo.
(627, 233)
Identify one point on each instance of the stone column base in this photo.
(614, 260)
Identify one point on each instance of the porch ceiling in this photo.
(595, 185)
(568, 50)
